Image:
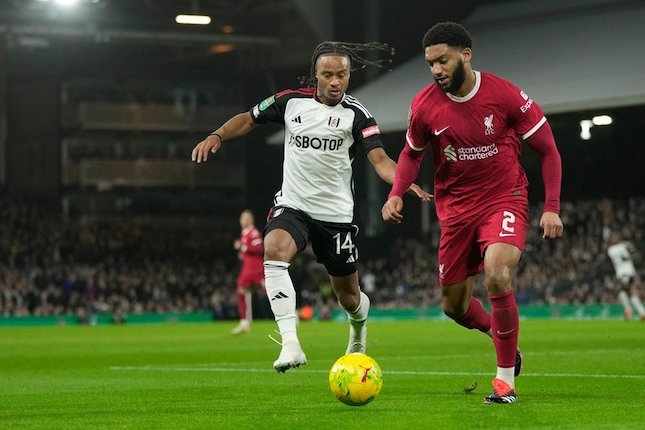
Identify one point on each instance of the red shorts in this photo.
(249, 278)
(462, 245)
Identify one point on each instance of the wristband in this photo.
(216, 134)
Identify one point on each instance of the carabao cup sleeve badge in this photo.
(267, 102)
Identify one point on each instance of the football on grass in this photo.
(355, 379)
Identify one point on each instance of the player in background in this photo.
(473, 124)
(324, 129)
(620, 252)
(250, 252)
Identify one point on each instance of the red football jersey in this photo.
(252, 250)
(475, 142)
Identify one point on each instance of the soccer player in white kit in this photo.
(620, 253)
(324, 128)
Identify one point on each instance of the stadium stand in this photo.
(52, 266)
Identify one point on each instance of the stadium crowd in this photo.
(52, 266)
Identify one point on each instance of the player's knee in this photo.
(349, 300)
(275, 253)
(498, 280)
(453, 310)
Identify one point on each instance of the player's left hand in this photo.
(416, 190)
(552, 225)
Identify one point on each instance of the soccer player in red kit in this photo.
(251, 253)
(473, 123)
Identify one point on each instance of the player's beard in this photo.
(456, 80)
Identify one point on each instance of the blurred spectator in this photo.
(50, 266)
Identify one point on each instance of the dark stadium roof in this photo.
(269, 33)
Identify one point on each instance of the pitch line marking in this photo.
(390, 372)
(436, 356)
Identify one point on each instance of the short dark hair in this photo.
(356, 53)
(450, 33)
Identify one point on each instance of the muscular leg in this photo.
(357, 305)
(279, 249)
(500, 262)
(460, 305)
(347, 291)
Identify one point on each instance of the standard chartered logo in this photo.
(478, 152)
(450, 153)
(470, 153)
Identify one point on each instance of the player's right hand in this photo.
(211, 144)
(392, 210)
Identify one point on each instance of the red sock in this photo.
(241, 305)
(506, 325)
(475, 317)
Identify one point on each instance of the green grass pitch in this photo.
(577, 374)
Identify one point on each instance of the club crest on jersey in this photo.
(450, 153)
(488, 123)
(333, 122)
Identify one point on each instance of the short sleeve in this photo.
(270, 109)
(366, 132)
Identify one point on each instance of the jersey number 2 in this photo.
(509, 218)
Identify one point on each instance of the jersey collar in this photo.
(341, 100)
(471, 94)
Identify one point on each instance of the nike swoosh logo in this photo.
(438, 132)
(502, 234)
(502, 333)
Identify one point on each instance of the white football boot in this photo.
(357, 338)
(291, 356)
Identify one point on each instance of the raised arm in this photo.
(237, 126)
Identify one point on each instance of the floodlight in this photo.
(66, 3)
(602, 120)
(193, 19)
(585, 129)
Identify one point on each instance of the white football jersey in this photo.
(319, 147)
(622, 260)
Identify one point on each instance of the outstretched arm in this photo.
(386, 169)
(237, 126)
(543, 143)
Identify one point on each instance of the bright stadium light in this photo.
(585, 129)
(66, 3)
(193, 19)
(602, 120)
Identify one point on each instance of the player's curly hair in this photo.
(450, 33)
(356, 52)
